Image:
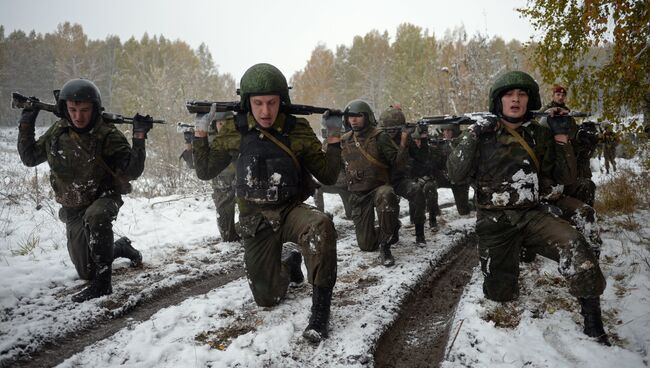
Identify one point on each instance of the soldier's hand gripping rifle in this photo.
(19, 101)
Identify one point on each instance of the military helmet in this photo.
(80, 90)
(512, 80)
(360, 107)
(392, 117)
(263, 79)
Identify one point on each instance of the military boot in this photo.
(123, 248)
(316, 330)
(385, 256)
(292, 258)
(433, 224)
(419, 234)
(99, 286)
(590, 310)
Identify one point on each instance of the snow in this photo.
(178, 238)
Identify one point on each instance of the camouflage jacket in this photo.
(76, 177)
(503, 174)
(362, 174)
(211, 159)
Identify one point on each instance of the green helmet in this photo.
(359, 107)
(80, 90)
(392, 117)
(263, 79)
(512, 80)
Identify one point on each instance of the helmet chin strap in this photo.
(513, 120)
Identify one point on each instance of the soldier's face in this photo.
(558, 97)
(80, 113)
(219, 124)
(356, 122)
(265, 109)
(514, 103)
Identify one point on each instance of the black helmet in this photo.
(79, 90)
(512, 80)
(263, 79)
(359, 107)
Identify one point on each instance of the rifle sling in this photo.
(369, 157)
(523, 143)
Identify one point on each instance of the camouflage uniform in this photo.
(87, 193)
(264, 227)
(509, 215)
(610, 141)
(439, 153)
(368, 184)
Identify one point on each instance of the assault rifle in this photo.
(427, 121)
(19, 101)
(203, 107)
(573, 114)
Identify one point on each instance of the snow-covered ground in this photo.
(179, 241)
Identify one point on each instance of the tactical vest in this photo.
(506, 177)
(361, 173)
(266, 174)
(76, 178)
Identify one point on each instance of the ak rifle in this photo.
(19, 101)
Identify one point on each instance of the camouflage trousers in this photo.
(319, 201)
(314, 234)
(363, 204)
(583, 217)
(430, 192)
(224, 200)
(413, 191)
(502, 234)
(89, 232)
(610, 158)
(460, 192)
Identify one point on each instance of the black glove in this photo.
(559, 124)
(484, 125)
(333, 122)
(29, 114)
(142, 124)
(188, 135)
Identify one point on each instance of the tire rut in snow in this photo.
(418, 337)
(54, 353)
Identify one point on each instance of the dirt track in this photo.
(419, 336)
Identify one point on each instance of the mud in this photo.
(54, 353)
(418, 338)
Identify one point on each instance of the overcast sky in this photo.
(281, 32)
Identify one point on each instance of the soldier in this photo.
(405, 187)
(440, 152)
(277, 153)
(610, 140)
(422, 162)
(91, 163)
(584, 189)
(369, 154)
(223, 187)
(506, 158)
(341, 185)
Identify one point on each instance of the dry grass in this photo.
(624, 193)
(505, 315)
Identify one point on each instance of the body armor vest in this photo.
(76, 178)
(361, 173)
(266, 174)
